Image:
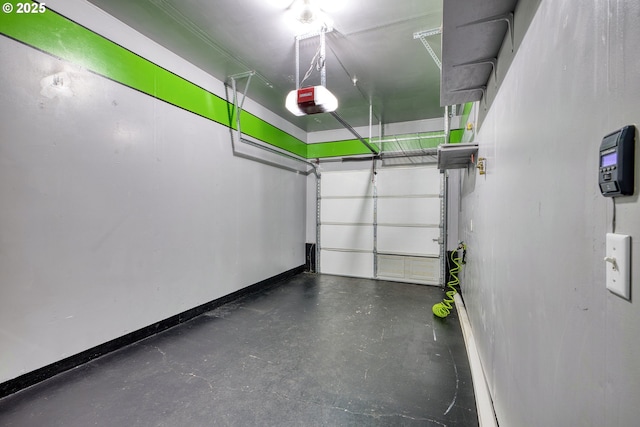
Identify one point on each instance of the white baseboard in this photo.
(484, 404)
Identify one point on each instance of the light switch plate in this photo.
(618, 261)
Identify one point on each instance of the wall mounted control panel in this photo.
(617, 152)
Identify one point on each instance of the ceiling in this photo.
(372, 44)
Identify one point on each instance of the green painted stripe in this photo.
(465, 114)
(266, 132)
(467, 135)
(455, 136)
(65, 39)
(54, 34)
(349, 147)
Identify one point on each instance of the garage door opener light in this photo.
(312, 99)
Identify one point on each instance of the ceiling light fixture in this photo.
(306, 11)
(306, 16)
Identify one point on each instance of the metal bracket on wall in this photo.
(473, 89)
(422, 35)
(238, 103)
(492, 61)
(507, 17)
(237, 108)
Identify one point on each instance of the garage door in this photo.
(384, 226)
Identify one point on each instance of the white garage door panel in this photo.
(352, 211)
(347, 237)
(423, 269)
(408, 181)
(406, 268)
(409, 211)
(355, 264)
(407, 218)
(348, 183)
(408, 240)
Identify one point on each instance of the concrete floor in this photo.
(314, 351)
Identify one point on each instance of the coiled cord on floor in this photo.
(442, 309)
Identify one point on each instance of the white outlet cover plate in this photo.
(619, 274)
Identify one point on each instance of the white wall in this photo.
(558, 348)
(119, 210)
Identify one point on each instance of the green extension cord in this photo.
(443, 309)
